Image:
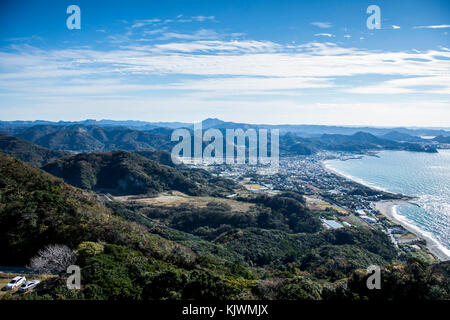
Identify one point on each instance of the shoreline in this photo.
(387, 208)
(351, 178)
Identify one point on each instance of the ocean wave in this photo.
(431, 221)
(425, 234)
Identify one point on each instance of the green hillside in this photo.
(37, 209)
(132, 252)
(91, 138)
(127, 173)
(29, 152)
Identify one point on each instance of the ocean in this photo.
(425, 176)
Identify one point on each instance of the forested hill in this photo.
(37, 209)
(214, 123)
(88, 138)
(275, 250)
(29, 152)
(128, 173)
(362, 141)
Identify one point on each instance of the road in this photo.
(10, 269)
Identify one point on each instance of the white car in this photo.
(29, 285)
(15, 282)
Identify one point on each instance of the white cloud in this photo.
(200, 34)
(202, 18)
(323, 25)
(437, 84)
(218, 46)
(142, 23)
(213, 71)
(243, 58)
(155, 31)
(441, 26)
(179, 19)
(395, 27)
(324, 35)
(253, 84)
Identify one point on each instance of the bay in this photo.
(425, 176)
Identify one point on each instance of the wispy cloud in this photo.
(440, 26)
(25, 39)
(395, 27)
(203, 18)
(324, 35)
(323, 25)
(118, 38)
(232, 58)
(198, 35)
(142, 23)
(437, 84)
(155, 31)
(179, 19)
(216, 47)
(208, 73)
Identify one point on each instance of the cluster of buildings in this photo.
(350, 203)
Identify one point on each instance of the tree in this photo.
(53, 259)
(88, 249)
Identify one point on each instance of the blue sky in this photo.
(251, 61)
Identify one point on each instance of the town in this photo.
(341, 201)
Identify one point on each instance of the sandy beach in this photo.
(386, 208)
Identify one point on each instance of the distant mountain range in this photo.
(109, 135)
(88, 138)
(442, 139)
(301, 129)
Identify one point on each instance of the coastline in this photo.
(351, 178)
(387, 208)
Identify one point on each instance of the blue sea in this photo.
(422, 175)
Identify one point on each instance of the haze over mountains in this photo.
(302, 129)
(87, 138)
(108, 135)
